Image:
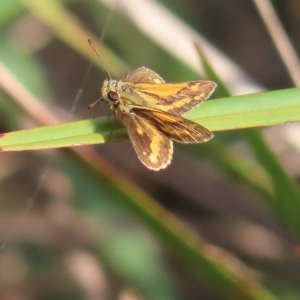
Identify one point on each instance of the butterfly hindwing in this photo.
(153, 148)
(174, 127)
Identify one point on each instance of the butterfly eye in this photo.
(113, 96)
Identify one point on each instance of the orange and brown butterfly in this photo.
(151, 111)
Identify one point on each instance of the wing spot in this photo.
(140, 131)
(153, 158)
(195, 87)
(155, 147)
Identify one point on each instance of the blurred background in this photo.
(64, 233)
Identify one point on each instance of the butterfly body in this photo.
(151, 111)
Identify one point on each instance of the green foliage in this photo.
(85, 210)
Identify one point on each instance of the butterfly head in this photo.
(110, 92)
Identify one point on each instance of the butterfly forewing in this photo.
(177, 98)
(153, 148)
(143, 75)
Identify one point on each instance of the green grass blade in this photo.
(225, 272)
(287, 194)
(286, 199)
(252, 110)
(72, 32)
(234, 166)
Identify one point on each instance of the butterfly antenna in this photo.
(103, 64)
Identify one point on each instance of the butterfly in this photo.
(151, 110)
